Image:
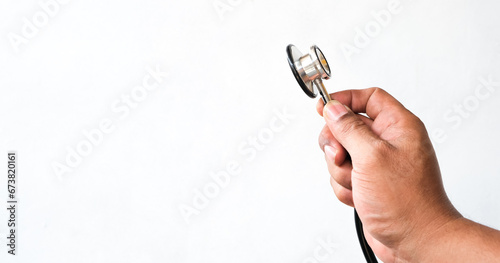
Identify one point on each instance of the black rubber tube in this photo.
(367, 250)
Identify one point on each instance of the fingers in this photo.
(339, 169)
(341, 173)
(326, 139)
(344, 195)
(349, 129)
(371, 101)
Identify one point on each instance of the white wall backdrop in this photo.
(129, 117)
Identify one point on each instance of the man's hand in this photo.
(384, 165)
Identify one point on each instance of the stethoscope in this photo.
(309, 70)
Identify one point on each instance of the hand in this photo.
(384, 165)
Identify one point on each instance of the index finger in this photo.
(371, 101)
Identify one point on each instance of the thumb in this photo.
(348, 128)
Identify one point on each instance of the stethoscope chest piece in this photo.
(309, 70)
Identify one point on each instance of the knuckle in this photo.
(415, 128)
(411, 120)
(378, 90)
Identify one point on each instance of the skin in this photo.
(383, 164)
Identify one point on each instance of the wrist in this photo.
(428, 236)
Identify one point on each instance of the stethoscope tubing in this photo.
(367, 250)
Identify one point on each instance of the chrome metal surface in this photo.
(309, 69)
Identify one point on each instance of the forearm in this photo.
(459, 241)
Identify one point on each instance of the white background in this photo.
(227, 75)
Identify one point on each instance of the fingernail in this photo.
(330, 152)
(334, 110)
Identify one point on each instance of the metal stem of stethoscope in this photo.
(309, 70)
(322, 91)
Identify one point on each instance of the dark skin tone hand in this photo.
(382, 162)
